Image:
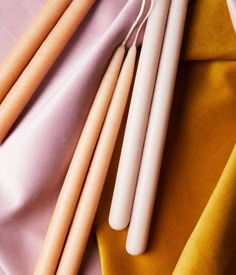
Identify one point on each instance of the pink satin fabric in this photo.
(36, 154)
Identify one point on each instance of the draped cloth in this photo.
(193, 226)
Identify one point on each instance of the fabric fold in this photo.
(209, 34)
(200, 137)
(35, 156)
(211, 247)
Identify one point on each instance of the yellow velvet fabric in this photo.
(202, 132)
(211, 247)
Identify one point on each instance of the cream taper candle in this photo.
(29, 80)
(71, 188)
(232, 11)
(88, 203)
(17, 59)
(122, 200)
(156, 132)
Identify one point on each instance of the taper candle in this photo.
(17, 59)
(156, 132)
(122, 200)
(71, 188)
(232, 12)
(90, 196)
(29, 80)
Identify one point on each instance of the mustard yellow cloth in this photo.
(185, 239)
(211, 248)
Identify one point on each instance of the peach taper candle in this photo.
(29, 42)
(69, 195)
(124, 191)
(90, 196)
(156, 132)
(29, 80)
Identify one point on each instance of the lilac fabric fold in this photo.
(36, 154)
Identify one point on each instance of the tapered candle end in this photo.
(135, 248)
(232, 12)
(137, 237)
(117, 223)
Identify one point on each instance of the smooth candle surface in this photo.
(232, 12)
(28, 82)
(89, 200)
(156, 132)
(122, 200)
(71, 189)
(20, 55)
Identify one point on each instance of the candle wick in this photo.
(135, 23)
(144, 20)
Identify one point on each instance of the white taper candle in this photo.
(232, 11)
(156, 132)
(126, 179)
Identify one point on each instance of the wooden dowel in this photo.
(28, 82)
(29, 42)
(89, 200)
(68, 198)
(156, 132)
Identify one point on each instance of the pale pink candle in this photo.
(122, 200)
(156, 132)
(89, 200)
